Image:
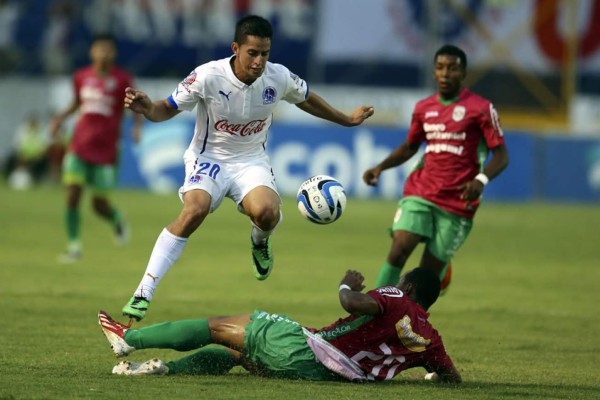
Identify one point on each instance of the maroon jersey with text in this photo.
(97, 131)
(397, 339)
(458, 136)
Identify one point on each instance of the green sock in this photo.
(388, 275)
(207, 361)
(179, 335)
(72, 224)
(116, 217)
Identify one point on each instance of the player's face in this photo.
(103, 54)
(251, 58)
(449, 75)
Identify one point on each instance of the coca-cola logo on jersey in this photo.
(246, 129)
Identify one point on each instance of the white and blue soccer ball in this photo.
(321, 199)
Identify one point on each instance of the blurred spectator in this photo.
(9, 14)
(56, 52)
(28, 162)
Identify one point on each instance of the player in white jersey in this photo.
(234, 100)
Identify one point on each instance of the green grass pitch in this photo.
(520, 319)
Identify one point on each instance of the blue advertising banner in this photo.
(298, 152)
(571, 169)
(541, 168)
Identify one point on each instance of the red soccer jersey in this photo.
(458, 136)
(98, 128)
(397, 339)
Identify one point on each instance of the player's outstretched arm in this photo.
(398, 156)
(315, 105)
(155, 111)
(351, 298)
(57, 120)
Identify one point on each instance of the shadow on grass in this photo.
(508, 389)
(503, 389)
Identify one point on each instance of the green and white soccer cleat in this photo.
(150, 367)
(136, 308)
(72, 254)
(262, 259)
(70, 257)
(115, 333)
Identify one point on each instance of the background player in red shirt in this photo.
(386, 333)
(442, 194)
(91, 156)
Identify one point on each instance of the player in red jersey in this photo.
(386, 333)
(443, 192)
(91, 156)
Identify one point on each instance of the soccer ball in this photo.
(321, 199)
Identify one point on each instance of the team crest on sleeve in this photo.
(269, 95)
(191, 78)
(458, 113)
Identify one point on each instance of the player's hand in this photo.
(371, 176)
(359, 115)
(471, 190)
(354, 279)
(137, 101)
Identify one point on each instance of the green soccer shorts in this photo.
(277, 344)
(443, 232)
(100, 177)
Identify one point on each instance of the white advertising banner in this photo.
(529, 34)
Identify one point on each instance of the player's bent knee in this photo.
(266, 218)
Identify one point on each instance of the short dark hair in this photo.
(252, 25)
(452, 50)
(426, 285)
(101, 37)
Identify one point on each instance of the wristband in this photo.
(343, 286)
(482, 178)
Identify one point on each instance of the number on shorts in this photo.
(214, 170)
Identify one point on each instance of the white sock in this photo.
(259, 236)
(167, 250)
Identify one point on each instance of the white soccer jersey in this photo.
(232, 118)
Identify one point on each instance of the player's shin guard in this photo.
(167, 250)
(179, 335)
(72, 223)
